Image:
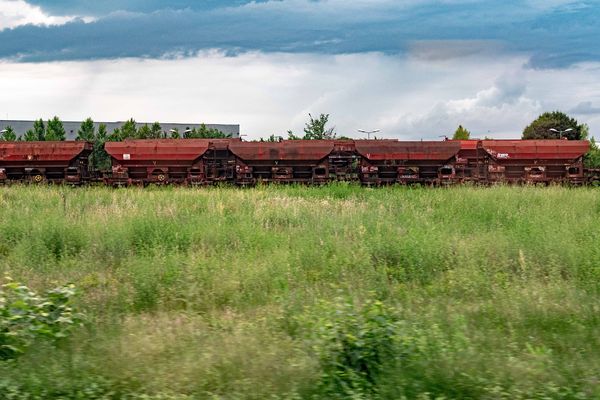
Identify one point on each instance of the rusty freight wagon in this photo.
(535, 161)
(37, 162)
(287, 161)
(392, 161)
(165, 161)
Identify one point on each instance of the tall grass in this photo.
(222, 292)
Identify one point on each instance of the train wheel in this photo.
(37, 178)
(161, 177)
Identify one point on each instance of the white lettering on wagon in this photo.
(126, 156)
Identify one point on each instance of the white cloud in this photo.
(405, 97)
(15, 13)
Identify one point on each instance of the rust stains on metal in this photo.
(377, 150)
(507, 150)
(11, 152)
(287, 150)
(157, 150)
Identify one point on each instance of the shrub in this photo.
(354, 344)
(26, 316)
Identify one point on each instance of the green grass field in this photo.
(295, 292)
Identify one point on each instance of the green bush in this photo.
(354, 344)
(26, 316)
(592, 158)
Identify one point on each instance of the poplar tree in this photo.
(55, 130)
(86, 131)
(461, 133)
(9, 134)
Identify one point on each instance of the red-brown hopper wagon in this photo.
(392, 161)
(287, 161)
(535, 161)
(37, 162)
(164, 161)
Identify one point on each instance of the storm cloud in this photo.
(553, 34)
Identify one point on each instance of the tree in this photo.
(86, 131)
(30, 136)
(129, 130)
(315, 128)
(156, 131)
(102, 133)
(272, 138)
(175, 133)
(9, 134)
(584, 131)
(292, 136)
(101, 159)
(55, 130)
(115, 136)
(144, 132)
(203, 132)
(592, 158)
(558, 121)
(39, 131)
(461, 134)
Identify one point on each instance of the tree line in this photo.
(53, 130)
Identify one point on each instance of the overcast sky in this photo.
(414, 69)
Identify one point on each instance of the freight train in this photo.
(244, 163)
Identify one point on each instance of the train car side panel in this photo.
(54, 162)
